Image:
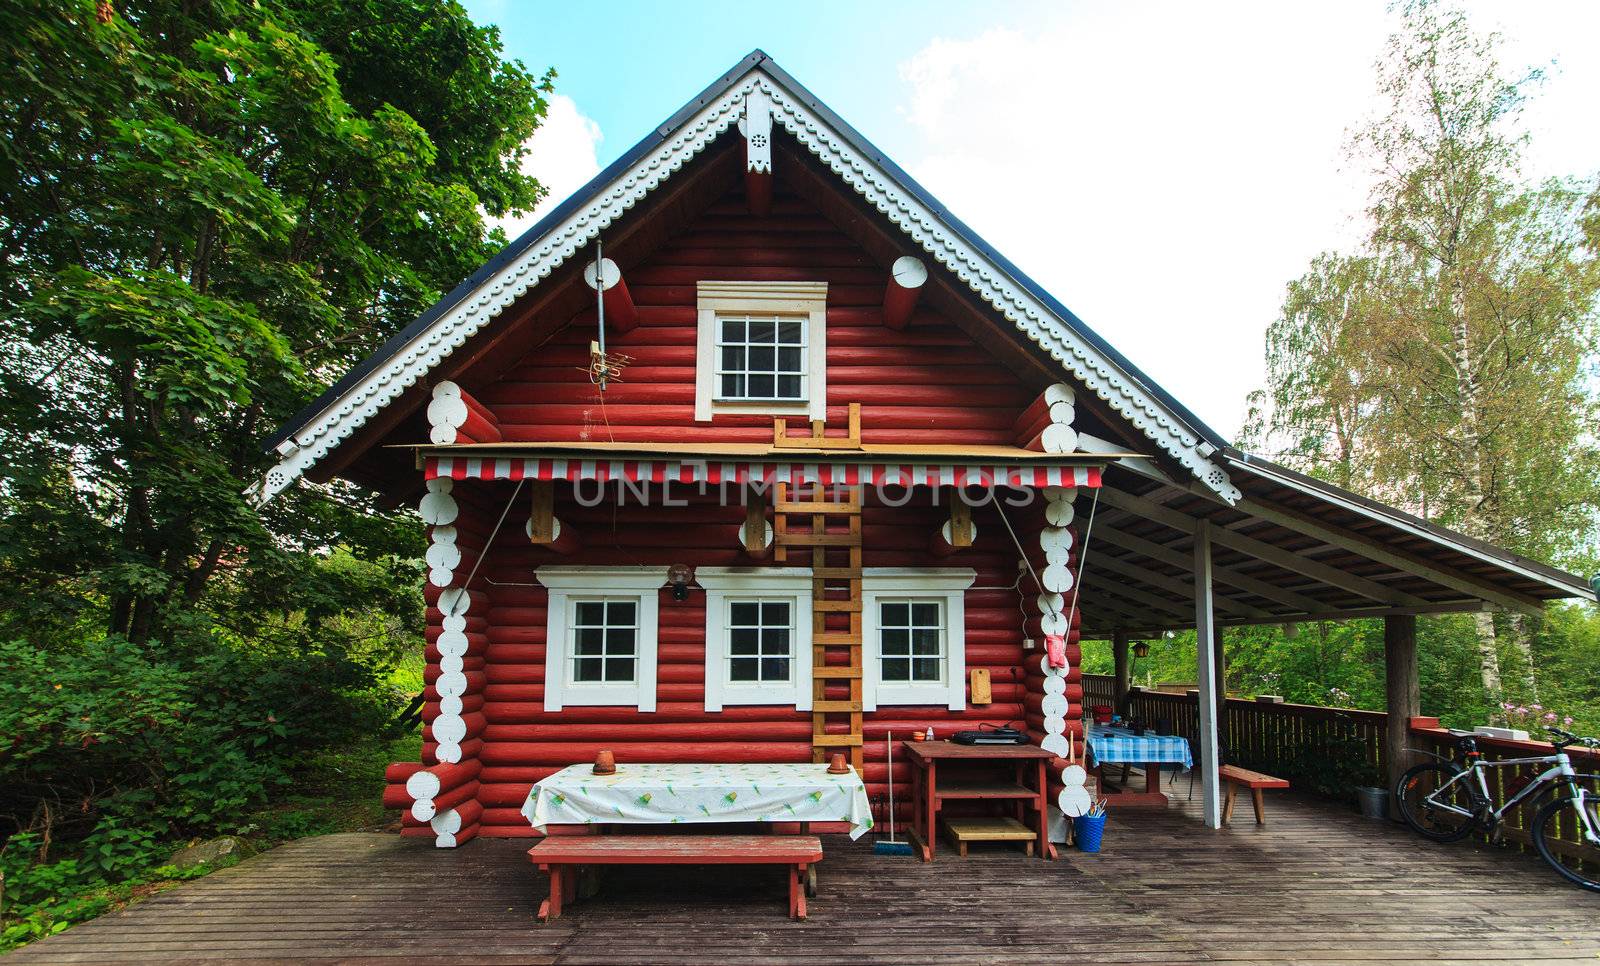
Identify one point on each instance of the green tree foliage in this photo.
(1448, 365)
(207, 211)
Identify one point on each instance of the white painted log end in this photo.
(438, 509)
(1059, 514)
(1057, 745)
(446, 389)
(909, 272)
(448, 752)
(1057, 578)
(1059, 439)
(449, 728)
(604, 277)
(1060, 393)
(453, 683)
(423, 785)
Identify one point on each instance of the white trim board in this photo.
(949, 586)
(1088, 364)
(725, 584)
(568, 582)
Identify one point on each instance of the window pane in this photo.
(789, 387)
(744, 640)
(791, 332)
(775, 614)
(894, 615)
(733, 386)
(733, 358)
(894, 640)
(619, 640)
(733, 330)
(588, 641)
(925, 614)
(896, 669)
(590, 612)
(775, 669)
(619, 669)
(761, 387)
(744, 669)
(775, 641)
(762, 331)
(925, 641)
(621, 612)
(789, 360)
(744, 613)
(586, 669)
(925, 669)
(762, 358)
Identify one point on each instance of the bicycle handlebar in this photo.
(1565, 738)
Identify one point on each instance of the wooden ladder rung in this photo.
(835, 606)
(836, 741)
(835, 573)
(827, 707)
(833, 672)
(807, 539)
(823, 507)
(835, 638)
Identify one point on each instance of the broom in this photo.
(891, 845)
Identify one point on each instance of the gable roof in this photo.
(410, 355)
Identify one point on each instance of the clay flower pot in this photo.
(837, 766)
(605, 763)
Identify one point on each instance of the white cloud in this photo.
(1163, 169)
(563, 156)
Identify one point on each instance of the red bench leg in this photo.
(797, 892)
(551, 908)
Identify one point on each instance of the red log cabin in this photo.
(751, 452)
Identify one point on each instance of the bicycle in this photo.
(1445, 802)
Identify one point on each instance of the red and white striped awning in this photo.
(1031, 474)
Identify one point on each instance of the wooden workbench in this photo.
(944, 771)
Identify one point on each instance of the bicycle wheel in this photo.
(1431, 815)
(1576, 858)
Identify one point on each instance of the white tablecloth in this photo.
(672, 794)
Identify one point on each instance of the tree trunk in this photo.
(1488, 653)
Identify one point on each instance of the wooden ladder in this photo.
(835, 586)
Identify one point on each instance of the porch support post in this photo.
(1405, 696)
(1209, 683)
(1124, 670)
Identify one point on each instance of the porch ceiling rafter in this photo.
(1133, 596)
(1348, 540)
(1176, 585)
(1261, 550)
(1297, 602)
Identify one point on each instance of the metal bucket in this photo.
(1374, 801)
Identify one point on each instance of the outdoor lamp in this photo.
(679, 575)
(1141, 648)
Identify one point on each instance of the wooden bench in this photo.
(562, 857)
(1238, 778)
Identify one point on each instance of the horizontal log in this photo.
(716, 730)
(573, 752)
(431, 782)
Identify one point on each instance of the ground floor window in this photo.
(600, 636)
(914, 637)
(758, 636)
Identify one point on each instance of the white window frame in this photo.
(948, 586)
(724, 585)
(806, 299)
(567, 585)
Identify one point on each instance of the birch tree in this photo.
(1470, 329)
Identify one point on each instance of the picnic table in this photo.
(673, 794)
(679, 794)
(1109, 745)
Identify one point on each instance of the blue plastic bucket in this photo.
(1089, 829)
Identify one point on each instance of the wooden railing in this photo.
(1330, 750)
(1327, 750)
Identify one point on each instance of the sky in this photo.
(1164, 169)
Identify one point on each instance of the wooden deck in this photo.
(1316, 885)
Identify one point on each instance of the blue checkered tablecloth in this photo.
(1119, 745)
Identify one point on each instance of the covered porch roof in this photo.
(1292, 548)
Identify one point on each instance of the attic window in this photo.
(761, 357)
(761, 348)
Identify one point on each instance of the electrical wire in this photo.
(486, 547)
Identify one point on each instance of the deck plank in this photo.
(1316, 885)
